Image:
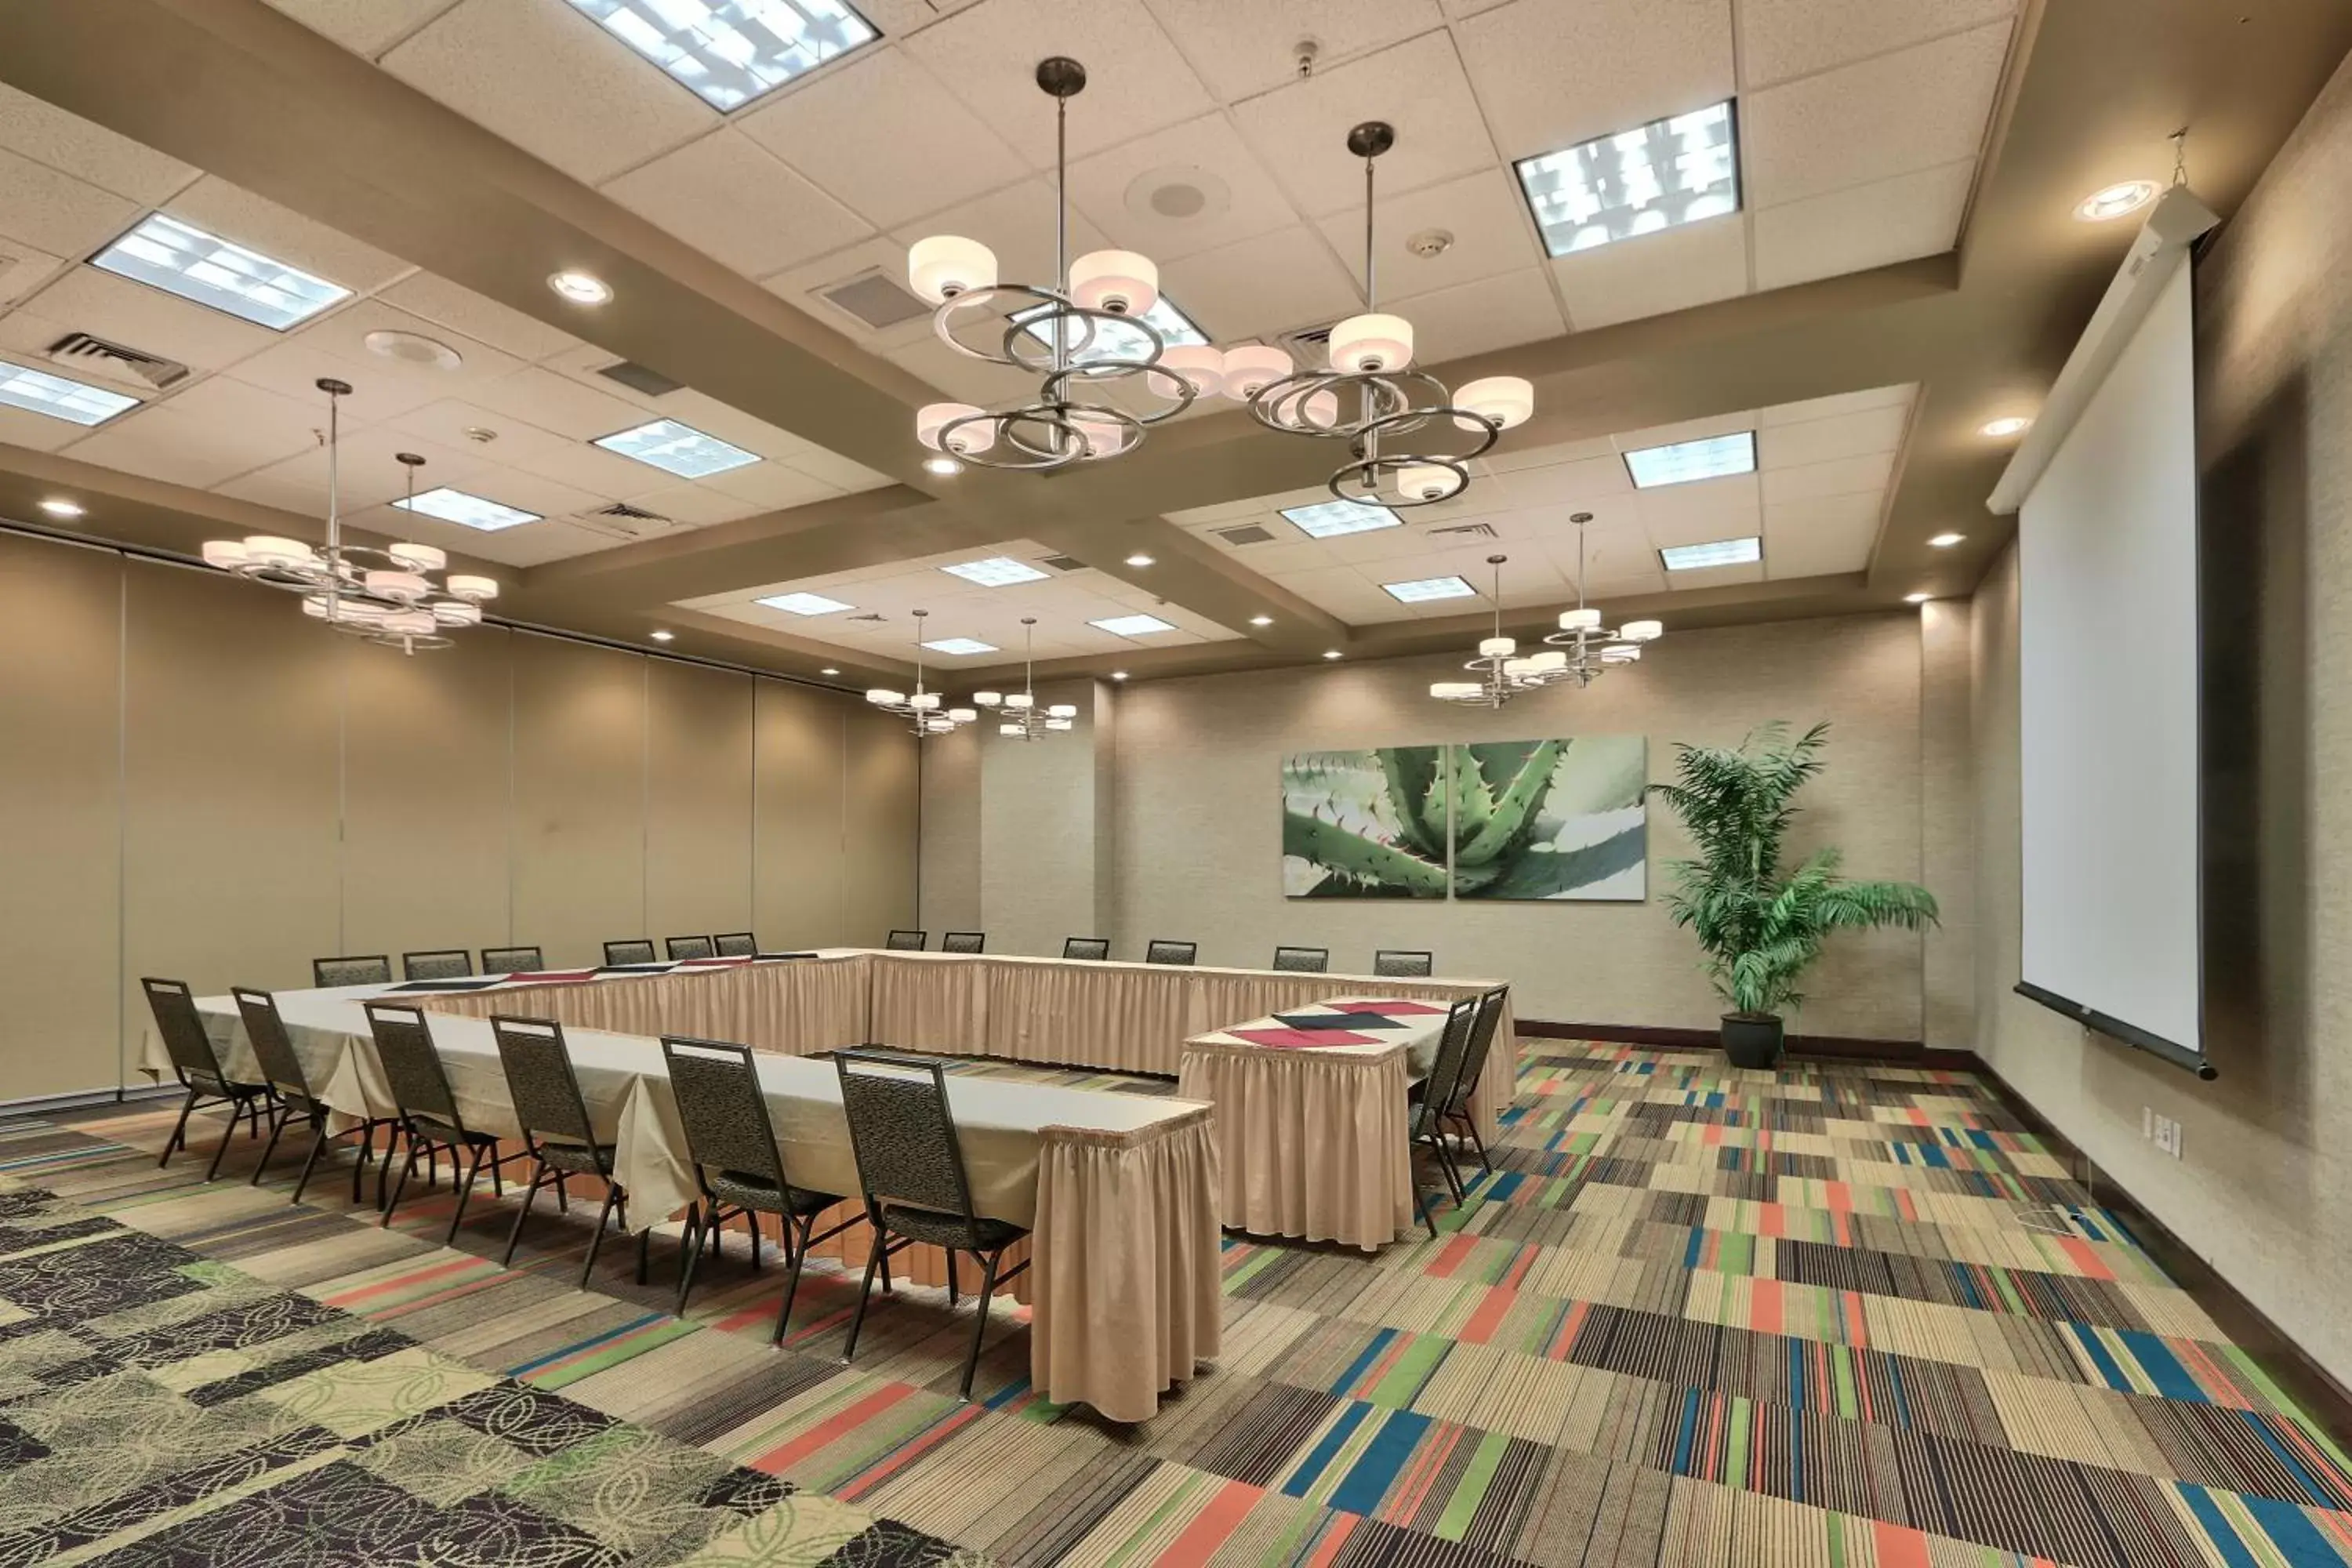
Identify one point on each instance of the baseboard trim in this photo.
(1911, 1053)
(82, 1099)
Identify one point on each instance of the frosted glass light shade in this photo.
(404, 586)
(1643, 631)
(946, 265)
(1202, 364)
(1370, 342)
(926, 700)
(883, 697)
(1427, 482)
(964, 715)
(1252, 368)
(226, 554)
(1020, 699)
(1009, 729)
(410, 623)
(1451, 689)
(1507, 400)
(457, 613)
(1104, 437)
(1584, 620)
(988, 699)
(1057, 724)
(419, 557)
(1621, 653)
(474, 588)
(933, 418)
(1121, 281)
(1321, 410)
(268, 550)
(1497, 647)
(1543, 663)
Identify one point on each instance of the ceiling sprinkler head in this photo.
(1431, 242)
(1303, 55)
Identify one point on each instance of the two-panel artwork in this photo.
(1493, 819)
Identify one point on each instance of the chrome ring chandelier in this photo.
(1590, 650)
(387, 595)
(927, 709)
(1018, 716)
(1580, 650)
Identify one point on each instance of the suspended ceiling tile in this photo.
(1853, 435)
(1245, 46)
(520, 445)
(886, 255)
(707, 414)
(897, 18)
(959, 378)
(1470, 7)
(695, 505)
(363, 26)
(1300, 132)
(1016, 223)
(345, 333)
(1715, 576)
(20, 427)
(1480, 318)
(584, 364)
(1780, 39)
(1511, 455)
(1176, 191)
(151, 321)
(54, 212)
(771, 487)
(459, 309)
(368, 476)
(1653, 274)
(838, 471)
(1136, 79)
(552, 82)
(220, 208)
(293, 368)
(737, 205)
(86, 151)
(1846, 476)
(208, 433)
(1702, 512)
(1862, 226)
(1838, 403)
(932, 151)
(1686, 430)
(1487, 221)
(1808, 539)
(1553, 73)
(1263, 286)
(558, 403)
(1580, 483)
(1896, 114)
(23, 269)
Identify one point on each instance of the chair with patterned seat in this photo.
(198, 1067)
(1403, 963)
(1303, 960)
(735, 944)
(684, 947)
(963, 942)
(429, 1108)
(512, 961)
(738, 1167)
(1159, 950)
(1090, 949)
(634, 949)
(556, 1132)
(911, 1164)
(273, 1051)
(451, 964)
(362, 969)
(907, 942)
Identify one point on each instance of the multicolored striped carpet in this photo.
(1845, 1315)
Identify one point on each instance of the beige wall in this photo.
(197, 782)
(2264, 1188)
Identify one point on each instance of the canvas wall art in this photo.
(1364, 823)
(1550, 819)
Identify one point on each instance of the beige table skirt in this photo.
(797, 1008)
(1314, 1141)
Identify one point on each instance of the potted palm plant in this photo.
(1759, 924)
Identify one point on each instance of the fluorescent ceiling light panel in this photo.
(960, 645)
(1133, 626)
(465, 511)
(1722, 552)
(730, 51)
(1114, 339)
(38, 392)
(1330, 518)
(1428, 588)
(803, 603)
(1642, 181)
(165, 253)
(996, 572)
(1713, 457)
(677, 448)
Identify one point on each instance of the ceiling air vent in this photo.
(112, 361)
(870, 616)
(1469, 530)
(1244, 533)
(1309, 347)
(622, 520)
(640, 378)
(874, 300)
(1064, 563)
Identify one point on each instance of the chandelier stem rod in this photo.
(334, 507)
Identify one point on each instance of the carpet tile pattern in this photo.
(1839, 1316)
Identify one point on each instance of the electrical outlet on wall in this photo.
(2167, 1134)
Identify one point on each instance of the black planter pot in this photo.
(1750, 1041)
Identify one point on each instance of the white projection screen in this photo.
(2109, 706)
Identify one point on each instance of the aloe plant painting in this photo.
(1516, 819)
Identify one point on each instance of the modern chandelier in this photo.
(1106, 371)
(927, 709)
(1581, 650)
(1018, 716)
(389, 596)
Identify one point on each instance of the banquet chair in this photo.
(198, 1067)
(1303, 960)
(1094, 949)
(369, 969)
(907, 942)
(273, 1050)
(1403, 963)
(963, 942)
(1161, 950)
(556, 1132)
(454, 964)
(1456, 1111)
(638, 950)
(684, 947)
(911, 1164)
(512, 961)
(428, 1109)
(1436, 1090)
(738, 1165)
(735, 944)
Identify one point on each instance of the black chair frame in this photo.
(426, 1128)
(1317, 960)
(1455, 1109)
(670, 945)
(409, 962)
(515, 1035)
(273, 1051)
(1086, 949)
(735, 944)
(964, 942)
(896, 942)
(197, 1066)
(500, 961)
(1435, 1091)
(319, 967)
(645, 942)
(1164, 949)
(1419, 964)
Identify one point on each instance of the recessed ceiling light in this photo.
(1331, 653)
(1998, 428)
(1138, 625)
(1642, 181)
(2116, 200)
(1683, 462)
(1720, 553)
(413, 348)
(730, 51)
(829, 670)
(1261, 620)
(1945, 540)
(960, 645)
(677, 448)
(1917, 598)
(1428, 588)
(1330, 518)
(1119, 675)
(995, 572)
(942, 466)
(581, 288)
(467, 510)
(76, 402)
(165, 253)
(58, 506)
(1115, 340)
(663, 637)
(803, 603)
(1138, 559)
